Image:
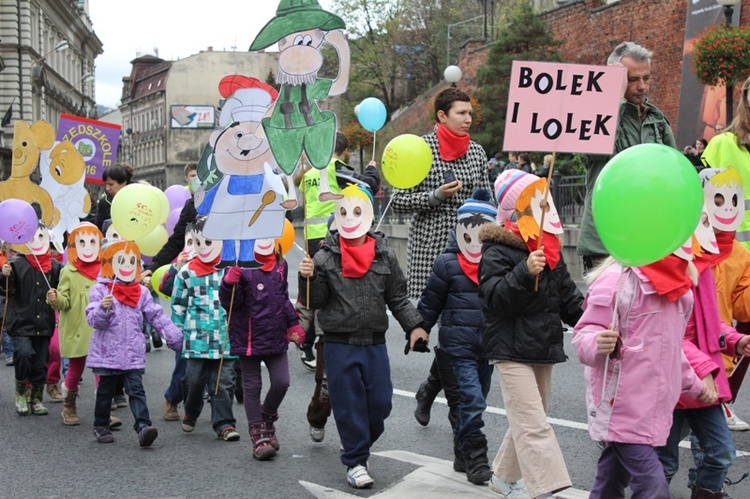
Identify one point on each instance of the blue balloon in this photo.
(371, 114)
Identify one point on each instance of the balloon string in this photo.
(112, 289)
(615, 325)
(382, 217)
(40, 268)
(374, 141)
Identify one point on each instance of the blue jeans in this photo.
(133, 383)
(174, 391)
(474, 378)
(202, 372)
(714, 440)
(7, 345)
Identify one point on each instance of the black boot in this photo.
(426, 394)
(478, 468)
(459, 461)
(701, 493)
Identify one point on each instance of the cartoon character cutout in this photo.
(28, 142)
(63, 175)
(297, 124)
(84, 243)
(477, 211)
(353, 212)
(724, 197)
(241, 195)
(121, 261)
(529, 206)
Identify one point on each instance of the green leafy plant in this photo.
(722, 54)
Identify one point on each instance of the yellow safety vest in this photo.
(317, 213)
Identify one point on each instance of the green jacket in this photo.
(652, 128)
(72, 299)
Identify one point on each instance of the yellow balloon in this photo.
(156, 278)
(165, 209)
(136, 210)
(153, 241)
(407, 160)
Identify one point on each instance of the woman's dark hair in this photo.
(445, 99)
(524, 157)
(121, 173)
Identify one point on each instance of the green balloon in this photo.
(646, 203)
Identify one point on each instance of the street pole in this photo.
(729, 85)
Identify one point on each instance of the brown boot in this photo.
(262, 448)
(701, 493)
(69, 415)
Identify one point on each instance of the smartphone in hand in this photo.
(449, 176)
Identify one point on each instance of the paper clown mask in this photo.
(724, 198)
(353, 212)
(84, 243)
(265, 246)
(121, 261)
(207, 250)
(529, 208)
(477, 211)
(39, 244)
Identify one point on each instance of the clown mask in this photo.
(39, 245)
(705, 234)
(189, 246)
(467, 237)
(725, 201)
(87, 246)
(206, 249)
(552, 224)
(265, 246)
(125, 265)
(353, 213)
(112, 234)
(685, 251)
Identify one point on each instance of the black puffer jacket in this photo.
(28, 311)
(520, 324)
(451, 293)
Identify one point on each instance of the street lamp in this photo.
(729, 85)
(452, 75)
(59, 47)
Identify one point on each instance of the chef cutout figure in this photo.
(724, 197)
(297, 124)
(353, 212)
(242, 196)
(477, 211)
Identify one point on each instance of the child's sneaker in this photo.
(54, 393)
(103, 435)
(512, 490)
(734, 423)
(188, 424)
(229, 434)
(317, 434)
(147, 435)
(9, 361)
(262, 448)
(358, 477)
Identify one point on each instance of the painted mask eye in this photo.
(357, 211)
(719, 200)
(467, 238)
(132, 260)
(734, 200)
(343, 211)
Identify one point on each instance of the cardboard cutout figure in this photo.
(28, 142)
(242, 196)
(297, 124)
(353, 212)
(84, 243)
(724, 197)
(63, 172)
(121, 261)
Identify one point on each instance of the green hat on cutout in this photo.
(293, 16)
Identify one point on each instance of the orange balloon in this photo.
(286, 241)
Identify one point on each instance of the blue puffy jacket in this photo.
(451, 293)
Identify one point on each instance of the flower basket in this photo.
(722, 54)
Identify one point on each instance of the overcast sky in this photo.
(176, 29)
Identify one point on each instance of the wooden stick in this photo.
(5, 310)
(733, 370)
(544, 211)
(221, 356)
(304, 231)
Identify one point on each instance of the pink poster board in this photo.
(558, 107)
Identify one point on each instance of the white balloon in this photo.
(356, 110)
(452, 74)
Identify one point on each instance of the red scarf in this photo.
(42, 263)
(669, 276)
(470, 269)
(550, 244)
(88, 269)
(726, 244)
(356, 260)
(703, 262)
(127, 293)
(201, 268)
(268, 261)
(450, 145)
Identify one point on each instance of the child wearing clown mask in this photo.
(451, 294)
(522, 331)
(197, 311)
(30, 320)
(118, 305)
(355, 276)
(263, 322)
(706, 338)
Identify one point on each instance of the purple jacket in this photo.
(647, 372)
(118, 341)
(261, 313)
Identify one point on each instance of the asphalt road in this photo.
(40, 457)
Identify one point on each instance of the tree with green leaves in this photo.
(526, 38)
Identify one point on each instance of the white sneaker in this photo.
(317, 434)
(358, 477)
(733, 422)
(512, 490)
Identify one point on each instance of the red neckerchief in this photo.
(356, 260)
(268, 261)
(669, 277)
(45, 261)
(550, 244)
(58, 257)
(201, 268)
(703, 262)
(88, 269)
(470, 269)
(450, 145)
(127, 293)
(725, 241)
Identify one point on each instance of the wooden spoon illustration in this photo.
(268, 198)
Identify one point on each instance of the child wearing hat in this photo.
(522, 334)
(451, 294)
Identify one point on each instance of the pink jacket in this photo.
(648, 370)
(702, 336)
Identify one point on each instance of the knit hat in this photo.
(508, 186)
(480, 203)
